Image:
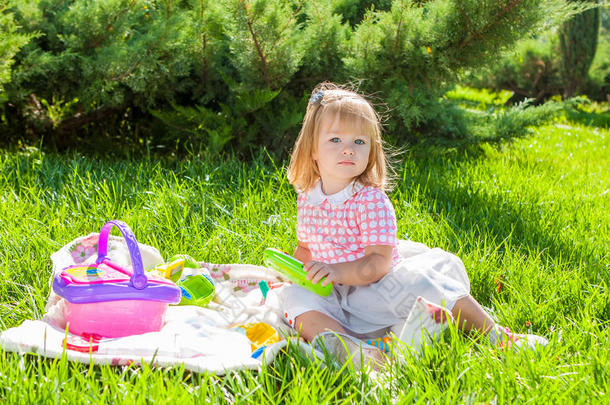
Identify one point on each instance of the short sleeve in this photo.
(376, 219)
(301, 226)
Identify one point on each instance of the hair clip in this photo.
(316, 98)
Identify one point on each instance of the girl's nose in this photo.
(348, 150)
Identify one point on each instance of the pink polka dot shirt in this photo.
(338, 227)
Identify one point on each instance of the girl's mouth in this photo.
(347, 163)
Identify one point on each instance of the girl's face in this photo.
(342, 152)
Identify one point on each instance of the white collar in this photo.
(316, 195)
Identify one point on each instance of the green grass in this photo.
(531, 215)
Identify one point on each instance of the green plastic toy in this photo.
(293, 269)
(197, 289)
(188, 260)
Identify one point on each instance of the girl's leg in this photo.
(472, 316)
(345, 348)
(311, 323)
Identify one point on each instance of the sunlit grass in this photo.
(529, 219)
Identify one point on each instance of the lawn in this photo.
(529, 218)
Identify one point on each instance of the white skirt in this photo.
(434, 274)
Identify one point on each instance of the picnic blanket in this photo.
(202, 339)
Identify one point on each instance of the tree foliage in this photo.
(578, 43)
(232, 73)
(11, 41)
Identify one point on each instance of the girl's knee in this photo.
(310, 323)
(309, 317)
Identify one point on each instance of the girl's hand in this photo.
(316, 271)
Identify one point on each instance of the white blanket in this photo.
(197, 337)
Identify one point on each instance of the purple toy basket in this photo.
(107, 300)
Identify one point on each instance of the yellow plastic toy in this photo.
(196, 289)
(171, 270)
(260, 334)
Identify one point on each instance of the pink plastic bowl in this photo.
(115, 318)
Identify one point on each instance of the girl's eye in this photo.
(359, 142)
(334, 140)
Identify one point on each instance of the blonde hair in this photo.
(328, 99)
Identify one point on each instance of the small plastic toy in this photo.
(171, 270)
(107, 300)
(382, 343)
(197, 289)
(259, 333)
(293, 269)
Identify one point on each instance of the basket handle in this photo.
(138, 278)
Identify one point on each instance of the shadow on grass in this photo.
(467, 208)
(475, 212)
(589, 118)
(471, 210)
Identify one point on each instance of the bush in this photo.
(11, 41)
(230, 74)
(491, 119)
(530, 71)
(533, 69)
(598, 88)
(578, 44)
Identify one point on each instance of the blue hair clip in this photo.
(316, 98)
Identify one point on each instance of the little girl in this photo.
(346, 231)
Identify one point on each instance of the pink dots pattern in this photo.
(337, 233)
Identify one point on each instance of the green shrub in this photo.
(11, 41)
(530, 71)
(533, 69)
(490, 119)
(230, 74)
(578, 44)
(353, 11)
(598, 88)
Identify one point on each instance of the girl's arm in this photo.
(302, 252)
(375, 264)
